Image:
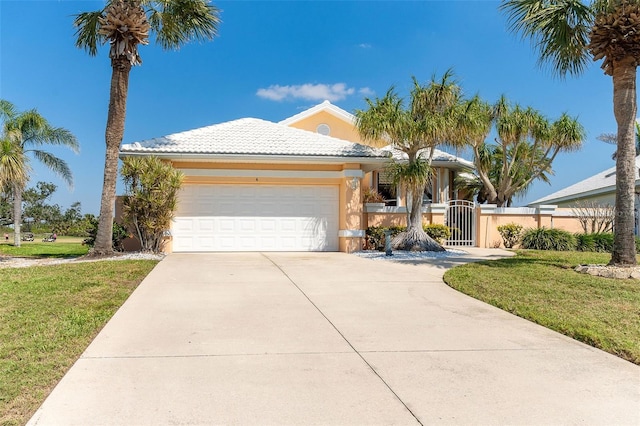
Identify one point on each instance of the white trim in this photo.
(324, 106)
(351, 233)
(291, 174)
(351, 173)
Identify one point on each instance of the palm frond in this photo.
(559, 31)
(7, 110)
(14, 165)
(567, 134)
(55, 164)
(177, 22)
(88, 36)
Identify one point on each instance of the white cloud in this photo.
(364, 46)
(310, 92)
(366, 91)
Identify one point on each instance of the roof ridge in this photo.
(327, 106)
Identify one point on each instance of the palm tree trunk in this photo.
(113, 137)
(17, 213)
(625, 109)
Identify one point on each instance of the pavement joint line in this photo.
(217, 355)
(345, 339)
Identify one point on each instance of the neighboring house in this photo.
(255, 185)
(599, 188)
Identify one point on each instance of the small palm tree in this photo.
(22, 134)
(125, 24)
(413, 130)
(567, 34)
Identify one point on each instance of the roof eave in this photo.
(260, 158)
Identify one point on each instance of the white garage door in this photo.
(256, 218)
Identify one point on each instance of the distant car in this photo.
(27, 236)
(50, 238)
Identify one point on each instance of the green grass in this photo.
(49, 315)
(542, 286)
(61, 248)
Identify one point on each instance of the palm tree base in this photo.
(96, 253)
(414, 239)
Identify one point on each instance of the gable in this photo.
(323, 120)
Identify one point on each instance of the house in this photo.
(255, 185)
(599, 188)
(329, 119)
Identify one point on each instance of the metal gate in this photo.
(460, 217)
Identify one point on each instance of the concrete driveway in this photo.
(330, 338)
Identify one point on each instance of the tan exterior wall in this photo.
(339, 128)
(350, 203)
(487, 221)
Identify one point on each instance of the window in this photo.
(386, 188)
(323, 129)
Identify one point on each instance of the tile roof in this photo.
(252, 136)
(599, 183)
(438, 156)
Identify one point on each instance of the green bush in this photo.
(119, 234)
(599, 242)
(548, 239)
(374, 239)
(438, 232)
(510, 233)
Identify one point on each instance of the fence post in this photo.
(545, 216)
(437, 213)
(486, 222)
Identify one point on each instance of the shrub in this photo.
(599, 242)
(150, 200)
(374, 239)
(438, 232)
(118, 235)
(510, 234)
(548, 239)
(370, 195)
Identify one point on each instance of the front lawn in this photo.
(542, 286)
(62, 247)
(49, 315)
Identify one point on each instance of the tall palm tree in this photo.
(22, 134)
(413, 130)
(125, 24)
(567, 33)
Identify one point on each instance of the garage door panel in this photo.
(256, 217)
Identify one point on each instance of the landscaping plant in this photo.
(151, 188)
(510, 233)
(548, 239)
(438, 232)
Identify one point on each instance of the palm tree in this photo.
(415, 130)
(23, 133)
(567, 33)
(526, 145)
(125, 24)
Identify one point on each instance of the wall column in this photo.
(351, 226)
(486, 217)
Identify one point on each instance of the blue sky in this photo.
(274, 59)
